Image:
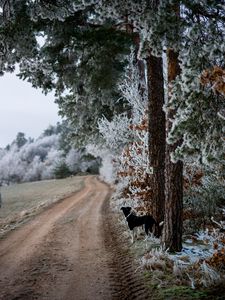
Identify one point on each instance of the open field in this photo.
(21, 201)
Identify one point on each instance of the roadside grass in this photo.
(164, 285)
(171, 291)
(160, 281)
(22, 201)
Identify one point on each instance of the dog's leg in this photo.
(132, 237)
(147, 229)
(139, 230)
(146, 237)
(146, 244)
(146, 241)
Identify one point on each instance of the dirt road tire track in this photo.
(71, 251)
(126, 281)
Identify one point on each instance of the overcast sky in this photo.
(23, 109)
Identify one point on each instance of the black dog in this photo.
(135, 221)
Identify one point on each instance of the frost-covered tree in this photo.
(38, 159)
(157, 134)
(80, 161)
(29, 162)
(189, 108)
(67, 52)
(20, 139)
(200, 118)
(82, 63)
(162, 29)
(126, 138)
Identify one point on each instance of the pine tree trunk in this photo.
(172, 233)
(157, 136)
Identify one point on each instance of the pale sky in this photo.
(24, 109)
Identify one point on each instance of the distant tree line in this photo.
(49, 156)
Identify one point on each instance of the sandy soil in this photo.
(71, 251)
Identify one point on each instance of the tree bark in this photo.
(157, 136)
(173, 223)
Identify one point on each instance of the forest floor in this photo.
(71, 250)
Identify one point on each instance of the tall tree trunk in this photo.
(157, 136)
(172, 233)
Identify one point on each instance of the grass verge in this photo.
(20, 202)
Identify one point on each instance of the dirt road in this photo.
(71, 251)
